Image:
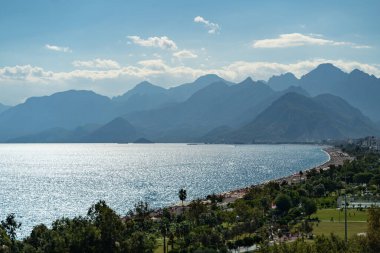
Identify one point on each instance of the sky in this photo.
(109, 46)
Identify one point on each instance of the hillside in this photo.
(66, 110)
(297, 118)
(118, 130)
(217, 104)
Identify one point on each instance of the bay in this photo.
(43, 182)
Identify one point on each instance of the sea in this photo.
(40, 183)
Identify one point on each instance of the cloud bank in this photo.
(22, 81)
(147, 68)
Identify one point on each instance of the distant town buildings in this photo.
(371, 142)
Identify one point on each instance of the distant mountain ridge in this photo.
(118, 130)
(297, 118)
(215, 105)
(210, 109)
(66, 110)
(357, 87)
(282, 82)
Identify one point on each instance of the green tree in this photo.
(319, 190)
(196, 208)
(309, 206)
(362, 178)
(164, 229)
(109, 224)
(283, 203)
(141, 242)
(140, 214)
(5, 241)
(11, 226)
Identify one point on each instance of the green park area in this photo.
(332, 221)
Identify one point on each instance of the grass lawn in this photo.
(352, 215)
(160, 243)
(357, 222)
(327, 227)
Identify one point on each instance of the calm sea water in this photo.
(43, 182)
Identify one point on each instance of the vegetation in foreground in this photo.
(277, 217)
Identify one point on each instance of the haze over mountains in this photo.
(326, 103)
(358, 88)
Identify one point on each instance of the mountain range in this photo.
(297, 118)
(357, 87)
(326, 103)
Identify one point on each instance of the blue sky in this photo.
(110, 46)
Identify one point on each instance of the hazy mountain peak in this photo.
(283, 81)
(247, 81)
(142, 88)
(287, 75)
(356, 73)
(145, 87)
(325, 70)
(327, 66)
(117, 130)
(358, 88)
(77, 93)
(144, 84)
(209, 78)
(185, 91)
(69, 94)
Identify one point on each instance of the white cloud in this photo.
(213, 28)
(24, 73)
(185, 54)
(97, 63)
(162, 42)
(58, 48)
(298, 39)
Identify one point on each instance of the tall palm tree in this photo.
(182, 195)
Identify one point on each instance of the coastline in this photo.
(336, 157)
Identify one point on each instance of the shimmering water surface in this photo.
(43, 182)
